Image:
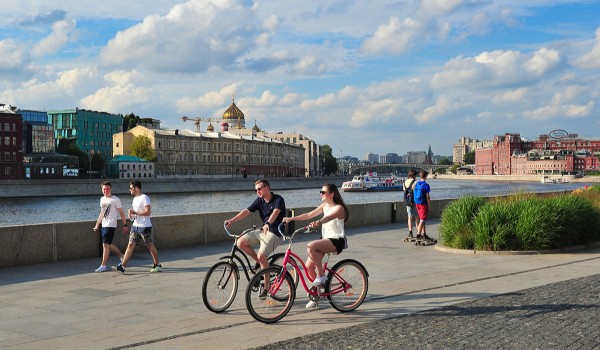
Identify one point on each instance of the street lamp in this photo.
(90, 156)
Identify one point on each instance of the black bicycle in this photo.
(221, 281)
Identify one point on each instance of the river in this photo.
(37, 210)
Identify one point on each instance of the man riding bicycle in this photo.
(271, 208)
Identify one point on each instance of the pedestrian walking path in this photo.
(67, 305)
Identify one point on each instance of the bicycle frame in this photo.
(246, 265)
(343, 284)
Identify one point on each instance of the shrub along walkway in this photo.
(418, 296)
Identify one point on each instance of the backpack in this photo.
(409, 195)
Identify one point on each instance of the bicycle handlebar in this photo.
(241, 234)
(306, 229)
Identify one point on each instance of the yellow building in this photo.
(214, 153)
(312, 151)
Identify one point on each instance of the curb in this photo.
(443, 248)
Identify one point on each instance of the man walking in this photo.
(141, 228)
(107, 224)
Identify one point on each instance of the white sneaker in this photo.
(102, 269)
(312, 305)
(318, 281)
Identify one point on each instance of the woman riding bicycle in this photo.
(333, 239)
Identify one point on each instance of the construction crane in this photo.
(197, 121)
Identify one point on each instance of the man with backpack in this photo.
(409, 200)
(422, 203)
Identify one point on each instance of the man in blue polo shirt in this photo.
(271, 208)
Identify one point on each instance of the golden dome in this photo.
(210, 128)
(233, 113)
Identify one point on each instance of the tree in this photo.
(445, 161)
(469, 158)
(329, 162)
(142, 147)
(130, 121)
(69, 147)
(454, 167)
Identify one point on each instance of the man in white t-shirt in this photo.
(141, 228)
(110, 206)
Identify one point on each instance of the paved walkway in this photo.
(417, 297)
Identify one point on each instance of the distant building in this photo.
(11, 143)
(511, 155)
(38, 134)
(50, 166)
(466, 145)
(92, 130)
(236, 121)
(215, 153)
(372, 157)
(416, 157)
(130, 167)
(389, 158)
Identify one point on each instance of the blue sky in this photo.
(361, 76)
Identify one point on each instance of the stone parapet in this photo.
(45, 243)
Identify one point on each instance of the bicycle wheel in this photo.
(277, 260)
(348, 283)
(220, 286)
(270, 305)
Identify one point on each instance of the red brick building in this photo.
(11, 143)
(511, 155)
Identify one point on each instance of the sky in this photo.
(359, 75)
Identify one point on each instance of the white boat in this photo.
(558, 180)
(371, 182)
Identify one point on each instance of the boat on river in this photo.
(371, 182)
(557, 180)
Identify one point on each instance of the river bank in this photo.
(86, 187)
(519, 178)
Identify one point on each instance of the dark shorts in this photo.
(108, 233)
(339, 244)
(138, 233)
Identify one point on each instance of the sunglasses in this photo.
(323, 192)
(260, 188)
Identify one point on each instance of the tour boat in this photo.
(371, 182)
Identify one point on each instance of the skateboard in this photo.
(425, 242)
(420, 241)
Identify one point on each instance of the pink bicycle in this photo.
(345, 289)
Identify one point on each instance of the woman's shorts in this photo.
(339, 244)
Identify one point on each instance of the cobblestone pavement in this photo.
(561, 315)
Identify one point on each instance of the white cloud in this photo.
(209, 100)
(510, 96)
(62, 32)
(120, 95)
(12, 56)
(209, 34)
(592, 58)
(498, 68)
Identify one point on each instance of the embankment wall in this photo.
(46, 243)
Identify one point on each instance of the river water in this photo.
(37, 210)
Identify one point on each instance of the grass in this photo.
(523, 221)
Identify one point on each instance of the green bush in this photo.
(456, 229)
(494, 226)
(522, 221)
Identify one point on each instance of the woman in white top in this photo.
(333, 240)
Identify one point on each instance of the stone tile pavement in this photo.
(418, 296)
